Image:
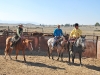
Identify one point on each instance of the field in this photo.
(38, 63)
(86, 30)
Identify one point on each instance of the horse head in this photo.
(28, 44)
(66, 37)
(81, 41)
(64, 41)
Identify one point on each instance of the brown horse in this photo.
(22, 44)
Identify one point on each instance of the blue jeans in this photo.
(55, 39)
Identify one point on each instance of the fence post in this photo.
(96, 45)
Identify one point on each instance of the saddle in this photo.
(15, 41)
(57, 42)
(73, 40)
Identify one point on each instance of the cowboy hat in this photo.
(20, 25)
(76, 24)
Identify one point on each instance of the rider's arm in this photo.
(18, 32)
(55, 34)
(22, 33)
(72, 32)
(80, 32)
(61, 33)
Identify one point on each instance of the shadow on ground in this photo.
(39, 65)
(92, 67)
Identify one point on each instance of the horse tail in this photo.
(8, 40)
(6, 51)
(48, 52)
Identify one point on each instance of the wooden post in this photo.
(39, 37)
(42, 30)
(8, 32)
(96, 45)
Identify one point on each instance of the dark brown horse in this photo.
(22, 44)
(77, 47)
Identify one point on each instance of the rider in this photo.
(18, 35)
(57, 34)
(75, 33)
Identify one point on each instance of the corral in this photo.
(39, 64)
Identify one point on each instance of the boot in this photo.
(12, 45)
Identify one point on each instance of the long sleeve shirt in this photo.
(19, 32)
(58, 32)
(75, 33)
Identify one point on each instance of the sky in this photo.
(48, 12)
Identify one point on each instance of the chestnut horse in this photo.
(22, 44)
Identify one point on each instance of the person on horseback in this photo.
(75, 34)
(57, 34)
(18, 35)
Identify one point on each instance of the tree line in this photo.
(97, 24)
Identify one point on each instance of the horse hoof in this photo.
(57, 59)
(69, 63)
(81, 65)
(10, 58)
(61, 60)
(52, 59)
(4, 57)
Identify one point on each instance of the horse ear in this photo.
(80, 35)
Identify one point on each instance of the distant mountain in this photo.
(18, 22)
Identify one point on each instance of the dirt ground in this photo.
(38, 63)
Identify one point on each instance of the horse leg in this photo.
(5, 53)
(62, 50)
(24, 55)
(10, 50)
(51, 53)
(80, 55)
(69, 55)
(17, 53)
(68, 46)
(58, 51)
(52, 56)
(62, 56)
(58, 56)
(48, 52)
(73, 57)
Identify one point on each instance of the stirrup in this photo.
(11, 47)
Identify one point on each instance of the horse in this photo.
(61, 46)
(21, 44)
(78, 47)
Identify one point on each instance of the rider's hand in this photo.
(55, 36)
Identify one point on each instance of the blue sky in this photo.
(51, 11)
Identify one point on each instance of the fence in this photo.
(40, 43)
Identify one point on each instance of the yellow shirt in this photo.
(75, 33)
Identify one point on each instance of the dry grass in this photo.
(40, 64)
